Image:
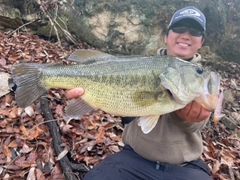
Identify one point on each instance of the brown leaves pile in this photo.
(222, 146)
(26, 151)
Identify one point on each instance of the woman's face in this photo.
(182, 45)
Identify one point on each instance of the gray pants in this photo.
(128, 165)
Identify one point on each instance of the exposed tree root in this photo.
(72, 171)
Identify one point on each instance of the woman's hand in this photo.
(74, 93)
(193, 112)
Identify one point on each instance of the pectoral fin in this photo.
(77, 108)
(147, 123)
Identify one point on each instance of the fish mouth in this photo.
(209, 99)
(169, 92)
(174, 96)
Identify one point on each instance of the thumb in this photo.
(74, 93)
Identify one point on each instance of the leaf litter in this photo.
(27, 153)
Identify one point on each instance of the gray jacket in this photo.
(172, 141)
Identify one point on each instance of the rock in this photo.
(236, 116)
(228, 96)
(229, 123)
(4, 89)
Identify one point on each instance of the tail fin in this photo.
(27, 78)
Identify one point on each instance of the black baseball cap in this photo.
(190, 13)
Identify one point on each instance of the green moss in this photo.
(229, 51)
(46, 30)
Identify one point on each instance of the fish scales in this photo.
(111, 86)
(133, 73)
(111, 82)
(126, 86)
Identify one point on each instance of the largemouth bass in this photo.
(141, 86)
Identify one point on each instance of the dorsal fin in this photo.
(86, 56)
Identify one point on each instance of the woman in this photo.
(173, 148)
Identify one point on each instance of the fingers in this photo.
(184, 112)
(74, 93)
(198, 113)
(193, 112)
(204, 114)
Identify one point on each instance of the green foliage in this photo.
(229, 51)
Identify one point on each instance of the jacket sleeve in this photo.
(187, 126)
(126, 120)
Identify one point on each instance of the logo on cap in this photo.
(190, 12)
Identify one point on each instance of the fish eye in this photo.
(199, 70)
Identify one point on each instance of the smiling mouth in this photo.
(182, 44)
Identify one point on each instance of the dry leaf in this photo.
(216, 166)
(227, 160)
(56, 173)
(26, 148)
(23, 129)
(21, 162)
(34, 133)
(66, 128)
(13, 57)
(13, 144)
(100, 134)
(115, 149)
(31, 174)
(3, 61)
(7, 151)
(39, 175)
(90, 145)
(59, 110)
(13, 113)
(4, 112)
(29, 110)
(62, 154)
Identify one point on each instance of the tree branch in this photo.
(67, 166)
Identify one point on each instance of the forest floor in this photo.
(26, 150)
